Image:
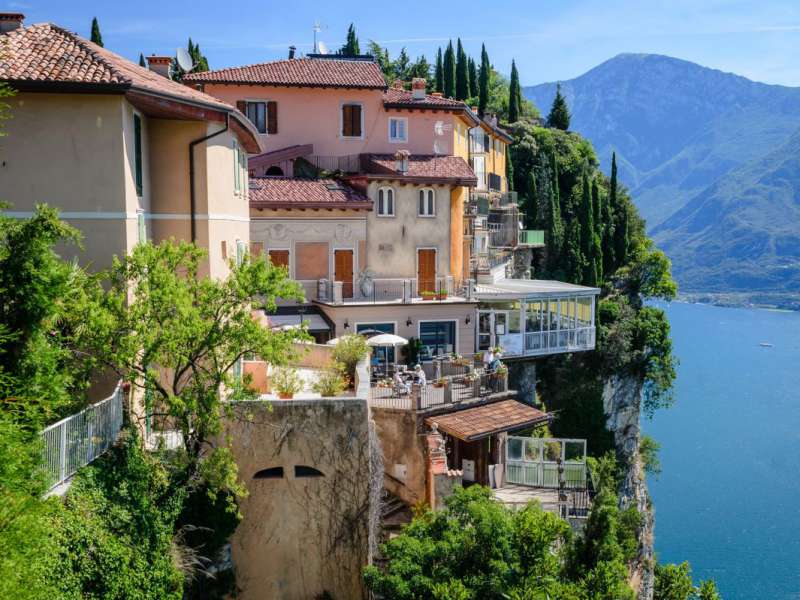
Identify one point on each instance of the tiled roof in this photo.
(393, 96)
(315, 72)
(482, 421)
(47, 54)
(288, 192)
(273, 157)
(421, 167)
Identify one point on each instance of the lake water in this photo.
(728, 499)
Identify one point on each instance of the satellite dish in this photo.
(184, 59)
(323, 49)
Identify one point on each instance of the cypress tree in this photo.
(473, 79)
(142, 62)
(351, 47)
(599, 227)
(573, 259)
(462, 73)
(449, 71)
(529, 201)
(620, 215)
(483, 82)
(559, 113)
(96, 37)
(586, 219)
(421, 68)
(439, 72)
(608, 235)
(514, 96)
(509, 172)
(554, 227)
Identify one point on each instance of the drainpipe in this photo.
(191, 172)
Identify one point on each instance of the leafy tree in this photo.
(529, 201)
(648, 453)
(473, 79)
(381, 56)
(510, 173)
(199, 61)
(401, 66)
(165, 327)
(96, 37)
(421, 68)
(621, 219)
(607, 241)
(462, 73)
(586, 220)
(142, 62)
(597, 234)
(559, 113)
(351, 47)
(483, 82)
(449, 71)
(554, 227)
(708, 591)
(673, 582)
(439, 72)
(515, 96)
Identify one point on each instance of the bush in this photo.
(330, 383)
(286, 381)
(349, 351)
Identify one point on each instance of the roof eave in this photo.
(281, 84)
(311, 205)
(458, 181)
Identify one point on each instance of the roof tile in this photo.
(423, 167)
(288, 192)
(482, 421)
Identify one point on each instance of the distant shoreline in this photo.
(763, 300)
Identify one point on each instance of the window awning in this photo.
(482, 421)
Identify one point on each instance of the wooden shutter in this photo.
(343, 270)
(279, 258)
(356, 115)
(347, 120)
(272, 117)
(241, 105)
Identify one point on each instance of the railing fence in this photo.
(79, 439)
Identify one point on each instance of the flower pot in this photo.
(285, 395)
(441, 296)
(427, 297)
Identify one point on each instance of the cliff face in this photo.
(622, 406)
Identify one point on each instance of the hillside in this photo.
(695, 144)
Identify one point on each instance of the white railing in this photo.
(582, 338)
(77, 440)
(535, 462)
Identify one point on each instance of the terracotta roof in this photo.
(288, 192)
(423, 168)
(482, 421)
(405, 98)
(273, 157)
(314, 72)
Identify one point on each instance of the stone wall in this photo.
(404, 454)
(306, 529)
(622, 406)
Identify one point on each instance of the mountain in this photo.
(695, 144)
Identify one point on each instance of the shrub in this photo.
(330, 383)
(286, 381)
(349, 351)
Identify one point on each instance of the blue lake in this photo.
(728, 499)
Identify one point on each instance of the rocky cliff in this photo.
(622, 406)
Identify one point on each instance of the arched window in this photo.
(305, 471)
(274, 171)
(426, 207)
(271, 473)
(385, 202)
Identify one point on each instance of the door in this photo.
(343, 271)
(484, 329)
(426, 270)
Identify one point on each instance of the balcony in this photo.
(394, 291)
(531, 238)
(486, 261)
(348, 163)
(483, 200)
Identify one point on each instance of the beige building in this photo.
(125, 153)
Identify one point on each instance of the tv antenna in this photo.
(184, 60)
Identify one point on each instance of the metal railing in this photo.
(393, 290)
(349, 163)
(79, 439)
(531, 237)
(582, 338)
(546, 463)
(448, 391)
(485, 261)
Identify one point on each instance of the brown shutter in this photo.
(347, 119)
(241, 105)
(356, 115)
(272, 117)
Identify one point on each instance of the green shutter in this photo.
(137, 152)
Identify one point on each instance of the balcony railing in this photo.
(401, 291)
(531, 237)
(486, 261)
(448, 391)
(493, 199)
(349, 163)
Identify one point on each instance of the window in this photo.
(142, 227)
(311, 260)
(385, 202)
(398, 129)
(263, 115)
(351, 120)
(479, 166)
(306, 471)
(279, 258)
(380, 356)
(427, 203)
(271, 473)
(437, 337)
(137, 153)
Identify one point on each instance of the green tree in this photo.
(199, 61)
(381, 56)
(142, 62)
(607, 216)
(158, 314)
(401, 66)
(351, 47)
(554, 226)
(483, 82)
(621, 218)
(96, 37)
(708, 591)
(462, 73)
(673, 582)
(529, 201)
(449, 71)
(648, 453)
(421, 68)
(514, 96)
(599, 227)
(473, 79)
(559, 113)
(587, 243)
(439, 72)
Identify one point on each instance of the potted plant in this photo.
(287, 382)
(441, 294)
(426, 295)
(440, 382)
(330, 383)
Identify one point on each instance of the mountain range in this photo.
(712, 160)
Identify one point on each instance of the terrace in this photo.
(393, 291)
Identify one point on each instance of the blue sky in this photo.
(550, 39)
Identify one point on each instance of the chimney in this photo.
(475, 109)
(401, 161)
(418, 88)
(399, 84)
(291, 52)
(10, 21)
(159, 64)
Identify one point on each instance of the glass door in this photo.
(484, 329)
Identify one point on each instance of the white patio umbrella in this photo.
(387, 340)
